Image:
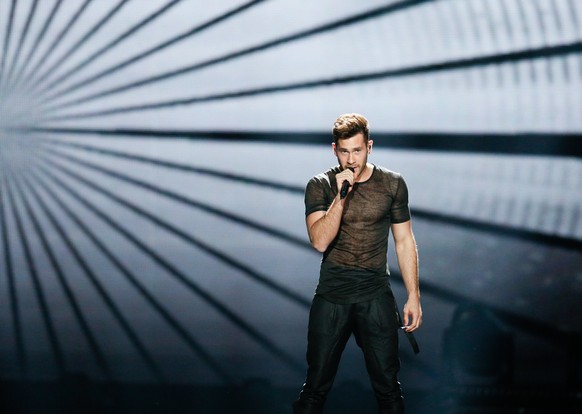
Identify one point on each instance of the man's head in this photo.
(352, 143)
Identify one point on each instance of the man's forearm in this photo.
(407, 254)
(408, 263)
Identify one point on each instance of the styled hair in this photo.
(348, 125)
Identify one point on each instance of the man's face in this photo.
(353, 152)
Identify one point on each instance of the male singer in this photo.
(353, 295)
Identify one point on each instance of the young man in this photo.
(353, 295)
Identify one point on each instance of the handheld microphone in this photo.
(345, 186)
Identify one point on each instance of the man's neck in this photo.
(366, 173)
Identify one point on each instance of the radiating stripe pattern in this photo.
(153, 155)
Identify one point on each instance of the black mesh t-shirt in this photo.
(354, 266)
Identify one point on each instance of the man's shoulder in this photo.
(325, 177)
(387, 174)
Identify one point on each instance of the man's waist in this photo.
(331, 267)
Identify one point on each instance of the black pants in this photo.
(375, 327)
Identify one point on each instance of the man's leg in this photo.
(330, 327)
(376, 333)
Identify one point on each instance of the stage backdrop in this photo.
(154, 153)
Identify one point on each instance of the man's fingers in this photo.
(410, 322)
(412, 319)
(417, 321)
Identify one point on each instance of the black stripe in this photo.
(194, 287)
(71, 298)
(23, 36)
(99, 287)
(495, 59)
(90, 33)
(40, 36)
(21, 356)
(45, 309)
(178, 166)
(207, 208)
(152, 17)
(7, 37)
(259, 48)
(66, 27)
(544, 144)
(153, 50)
(223, 257)
(134, 280)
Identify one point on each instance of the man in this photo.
(353, 294)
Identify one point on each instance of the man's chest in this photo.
(367, 206)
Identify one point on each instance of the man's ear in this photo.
(370, 144)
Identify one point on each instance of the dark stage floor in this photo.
(77, 395)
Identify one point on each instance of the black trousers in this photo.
(375, 327)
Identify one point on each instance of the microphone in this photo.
(345, 186)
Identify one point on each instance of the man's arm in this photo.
(407, 255)
(323, 226)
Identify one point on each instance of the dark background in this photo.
(153, 156)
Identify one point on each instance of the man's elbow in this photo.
(319, 246)
(407, 245)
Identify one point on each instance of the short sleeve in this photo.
(317, 195)
(400, 212)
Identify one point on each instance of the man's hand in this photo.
(412, 315)
(346, 174)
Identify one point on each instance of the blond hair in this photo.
(348, 125)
